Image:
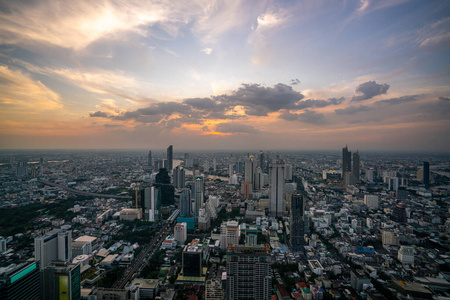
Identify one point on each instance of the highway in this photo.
(142, 259)
(83, 193)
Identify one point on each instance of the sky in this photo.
(253, 74)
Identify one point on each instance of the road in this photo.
(142, 259)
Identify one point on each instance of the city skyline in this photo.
(229, 75)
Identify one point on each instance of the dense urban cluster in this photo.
(224, 225)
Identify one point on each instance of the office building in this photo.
(249, 272)
(170, 158)
(239, 167)
(406, 255)
(288, 172)
(20, 282)
(276, 189)
(179, 177)
(192, 259)
(163, 183)
(229, 234)
(356, 170)
(297, 214)
(55, 245)
(150, 159)
(346, 161)
(262, 161)
(426, 174)
(61, 281)
(249, 170)
(180, 233)
(371, 201)
(204, 220)
(185, 203)
(246, 189)
(198, 195)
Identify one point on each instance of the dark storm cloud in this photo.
(260, 101)
(309, 116)
(295, 81)
(235, 128)
(256, 100)
(444, 99)
(369, 90)
(318, 103)
(352, 110)
(98, 114)
(398, 100)
(201, 103)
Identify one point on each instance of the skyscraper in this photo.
(192, 259)
(346, 161)
(356, 165)
(426, 174)
(22, 282)
(61, 281)
(249, 272)
(276, 189)
(55, 245)
(150, 159)
(297, 222)
(178, 177)
(170, 158)
(198, 194)
(162, 182)
(185, 203)
(249, 171)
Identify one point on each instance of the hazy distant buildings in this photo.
(150, 159)
(276, 189)
(350, 175)
(346, 161)
(297, 222)
(55, 245)
(170, 158)
(426, 174)
(356, 170)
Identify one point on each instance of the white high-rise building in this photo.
(55, 245)
(229, 234)
(276, 189)
(406, 255)
(371, 201)
(180, 233)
